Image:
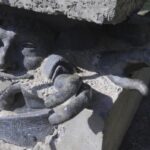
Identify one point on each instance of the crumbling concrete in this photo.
(97, 11)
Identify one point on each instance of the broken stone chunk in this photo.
(97, 11)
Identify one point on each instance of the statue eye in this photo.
(29, 45)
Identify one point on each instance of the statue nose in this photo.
(2, 56)
(3, 51)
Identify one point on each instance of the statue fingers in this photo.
(71, 107)
(66, 85)
(53, 65)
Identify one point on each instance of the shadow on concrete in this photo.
(100, 105)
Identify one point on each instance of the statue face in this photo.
(6, 38)
(22, 50)
(33, 48)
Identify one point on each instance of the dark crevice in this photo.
(18, 102)
(132, 67)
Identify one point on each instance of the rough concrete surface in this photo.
(85, 130)
(98, 11)
(82, 137)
